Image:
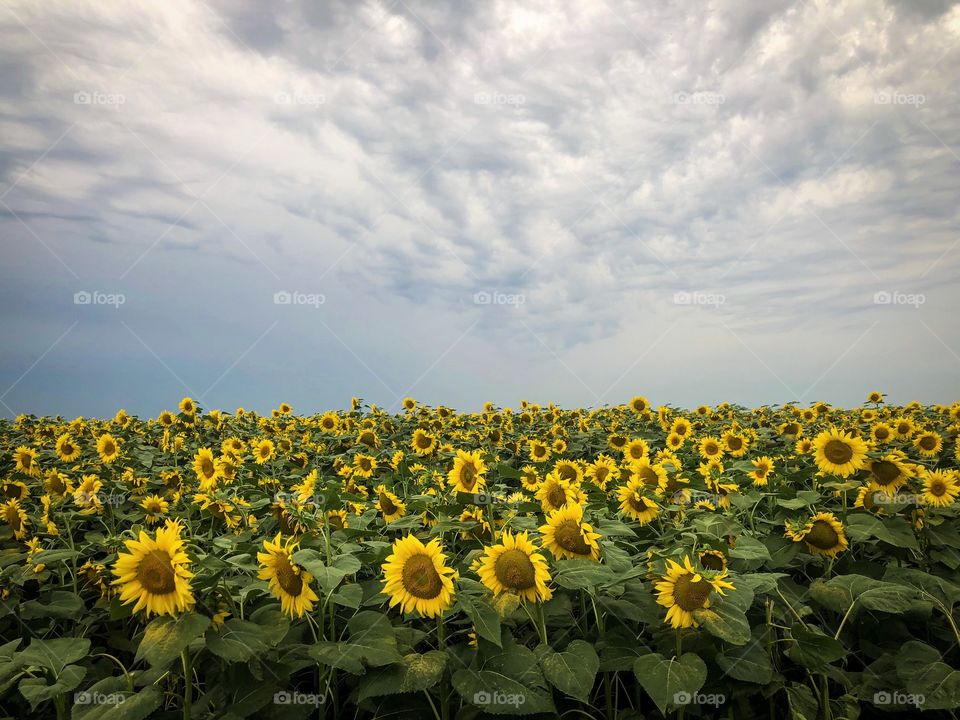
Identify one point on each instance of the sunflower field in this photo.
(620, 562)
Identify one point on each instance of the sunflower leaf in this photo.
(670, 681)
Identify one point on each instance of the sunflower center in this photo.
(109, 448)
(556, 496)
(387, 505)
(903, 428)
(711, 448)
(638, 503)
(712, 562)
(206, 467)
(838, 452)
(57, 485)
(822, 536)
(515, 570)
(885, 472)
(735, 443)
(636, 452)
(601, 474)
(691, 595)
(420, 577)
(288, 578)
(881, 433)
(567, 472)
(468, 475)
(928, 442)
(570, 538)
(938, 488)
(67, 448)
(153, 506)
(423, 442)
(155, 573)
(649, 476)
(792, 429)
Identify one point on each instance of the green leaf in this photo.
(109, 699)
(618, 651)
(749, 664)
(485, 618)
(725, 621)
(803, 705)
(922, 671)
(237, 641)
(582, 574)
(328, 576)
(55, 655)
(62, 604)
(749, 548)
(665, 680)
(894, 531)
(36, 690)
(813, 649)
(840, 592)
(166, 637)
(372, 642)
(572, 671)
(416, 672)
(349, 596)
(499, 694)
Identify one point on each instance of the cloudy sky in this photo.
(249, 203)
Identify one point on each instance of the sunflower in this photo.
(206, 468)
(735, 443)
(881, 432)
(369, 438)
(569, 470)
(515, 567)
(940, 487)
(903, 428)
(86, 495)
(329, 422)
(481, 531)
(803, 446)
(713, 560)
(155, 573)
(66, 448)
(602, 471)
(823, 535)
(166, 418)
(839, 453)
(337, 519)
(188, 406)
(675, 441)
(155, 507)
(16, 490)
(539, 452)
(568, 537)
(654, 476)
(888, 473)
(467, 472)
(416, 577)
(389, 504)
(26, 459)
(640, 405)
(288, 581)
(263, 450)
(684, 590)
(682, 427)
(530, 478)
(616, 441)
(555, 492)
(762, 467)
(423, 443)
(710, 448)
(928, 444)
(364, 465)
(409, 404)
(634, 504)
(636, 450)
(107, 448)
(875, 397)
(15, 517)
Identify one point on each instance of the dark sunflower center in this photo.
(735, 443)
(885, 472)
(791, 429)
(711, 448)
(636, 452)
(712, 562)
(557, 497)
(57, 485)
(155, 573)
(365, 464)
(903, 428)
(288, 578)
(570, 538)
(638, 503)
(420, 577)
(515, 570)
(822, 536)
(649, 476)
(153, 506)
(336, 521)
(838, 452)
(206, 467)
(928, 442)
(468, 475)
(601, 473)
(387, 505)
(109, 448)
(691, 595)
(938, 488)
(423, 442)
(67, 448)
(567, 472)
(881, 433)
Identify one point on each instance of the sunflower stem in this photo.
(444, 689)
(683, 708)
(187, 684)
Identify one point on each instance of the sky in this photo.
(250, 203)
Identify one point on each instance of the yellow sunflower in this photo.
(636, 450)
(928, 444)
(684, 590)
(155, 507)
(881, 432)
(514, 566)
(289, 582)
(555, 492)
(389, 504)
(762, 467)
(713, 560)
(839, 453)
(416, 577)
(467, 474)
(155, 573)
(539, 452)
(15, 517)
(206, 468)
(823, 535)
(889, 473)
(364, 465)
(602, 471)
(337, 519)
(640, 405)
(530, 478)
(940, 487)
(653, 475)
(710, 448)
(67, 448)
(423, 443)
(329, 422)
(634, 504)
(26, 460)
(188, 406)
(263, 450)
(568, 537)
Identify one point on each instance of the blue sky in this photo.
(569, 202)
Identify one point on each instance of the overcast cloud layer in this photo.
(257, 202)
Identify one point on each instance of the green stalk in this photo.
(187, 683)
(444, 687)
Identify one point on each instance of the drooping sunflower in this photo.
(26, 460)
(289, 582)
(762, 467)
(633, 503)
(67, 448)
(568, 537)
(889, 473)
(839, 453)
(423, 443)
(713, 560)
(684, 590)
(940, 487)
(928, 444)
(823, 534)
(555, 492)
(15, 517)
(416, 577)
(389, 504)
(514, 566)
(155, 507)
(467, 474)
(481, 531)
(155, 573)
